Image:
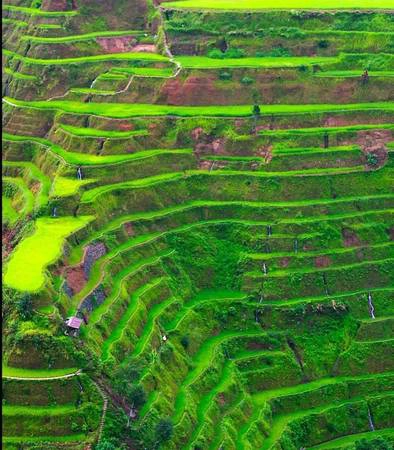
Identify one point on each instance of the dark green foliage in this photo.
(247, 80)
(372, 159)
(225, 75)
(230, 53)
(256, 110)
(105, 445)
(24, 306)
(374, 444)
(164, 430)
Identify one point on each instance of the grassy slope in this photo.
(84, 159)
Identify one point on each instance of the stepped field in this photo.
(198, 225)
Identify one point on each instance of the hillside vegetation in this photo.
(198, 233)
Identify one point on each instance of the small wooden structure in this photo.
(73, 325)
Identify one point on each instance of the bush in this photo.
(372, 159)
(225, 76)
(256, 110)
(230, 53)
(185, 341)
(374, 444)
(164, 430)
(247, 80)
(323, 44)
(105, 445)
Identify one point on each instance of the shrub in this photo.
(225, 76)
(164, 430)
(374, 444)
(256, 110)
(230, 53)
(136, 395)
(372, 159)
(185, 341)
(247, 80)
(105, 445)
(323, 44)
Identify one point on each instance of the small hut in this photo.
(73, 325)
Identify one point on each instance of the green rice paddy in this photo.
(125, 110)
(203, 62)
(43, 247)
(280, 4)
(129, 56)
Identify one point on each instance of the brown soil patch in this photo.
(284, 262)
(128, 227)
(126, 127)
(374, 142)
(193, 91)
(120, 44)
(35, 187)
(265, 152)
(350, 238)
(256, 345)
(215, 147)
(322, 261)
(197, 133)
(145, 48)
(76, 279)
(56, 5)
(221, 399)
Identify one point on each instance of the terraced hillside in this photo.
(198, 224)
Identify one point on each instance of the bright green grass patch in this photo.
(281, 4)
(129, 56)
(109, 76)
(18, 23)
(25, 269)
(39, 12)
(9, 214)
(20, 76)
(13, 410)
(353, 74)
(144, 71)
(87, 91)
(36, 373)
(83, 159)
(63, 187)
(95, 133)
(352, 438)
(321, 130)
(69, 438)
(79, 37)
(49, 26)
(203, 62)
(125, 110)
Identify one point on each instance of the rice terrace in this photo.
(198, 225)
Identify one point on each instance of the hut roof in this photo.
(74, 322)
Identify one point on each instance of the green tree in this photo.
(164, 430)
(24, 306)
(256, 110)
(136, 395)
